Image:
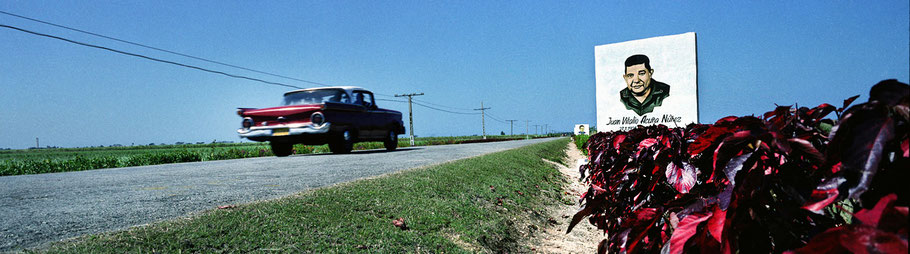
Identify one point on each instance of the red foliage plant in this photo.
(757, 185)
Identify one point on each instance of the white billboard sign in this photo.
(645, 82)
(582, 129)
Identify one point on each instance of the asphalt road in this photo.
(37, 209)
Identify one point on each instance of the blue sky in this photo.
(526, 60)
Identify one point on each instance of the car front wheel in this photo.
(281, 149)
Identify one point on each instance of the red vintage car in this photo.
(338, 116)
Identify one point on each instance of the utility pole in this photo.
(410, 113)
(511, 130)
(527, 133)
(535, 130)
(36, 143)
(546, 129)
(483, 119)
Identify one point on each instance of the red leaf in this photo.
(821, 111)
(707, 139)
(647, 143)
(806, 148)
(716, 223)
(847, 102)
(905, 146)
(682, 178)
(872, 216)
(858, 143)
(595, 200)
(618, 140)
(641, 224)
(602, 247)
(855, 239)
(836, 168)
(734, 166)
(778, 112)
(725, 120)
(823, 195)
(687, 228)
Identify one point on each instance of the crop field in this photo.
(37, 161)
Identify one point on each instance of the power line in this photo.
(193, 57)
(465, 109)
(390, 100)
(443, 110)
(162, 50)
(494, 118)
(149, 58)
(194, 67)
(171, 51)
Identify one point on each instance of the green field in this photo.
(37, 161)
(491, 204)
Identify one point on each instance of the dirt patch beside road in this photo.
(584, 237)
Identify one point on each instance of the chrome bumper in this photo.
(269, 131)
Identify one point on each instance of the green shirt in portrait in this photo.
(659, 92)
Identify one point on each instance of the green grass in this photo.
(449, 208)
(38, 161)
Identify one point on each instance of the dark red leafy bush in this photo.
(757, 185)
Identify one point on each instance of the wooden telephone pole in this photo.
(483, 119)
(410, 113)
(527, 133)
(511, 130)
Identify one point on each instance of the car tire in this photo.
(282, 149)
(344, 143)
(391, 142)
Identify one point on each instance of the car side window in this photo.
(358, 98)
(341, 97)
(367, 100)
(363, 98)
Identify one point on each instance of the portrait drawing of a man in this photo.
(642, 93)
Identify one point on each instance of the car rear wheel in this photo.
(344, 143)
(281, 149)
(391, 141)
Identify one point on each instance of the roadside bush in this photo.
(757, 185)
(303, 149)
(173, 157)
(580, 141)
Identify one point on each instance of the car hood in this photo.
(282, 111)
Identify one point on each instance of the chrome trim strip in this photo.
(294, 129)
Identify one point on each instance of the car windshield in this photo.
(316, 97)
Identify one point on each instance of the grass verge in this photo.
(490, 203)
